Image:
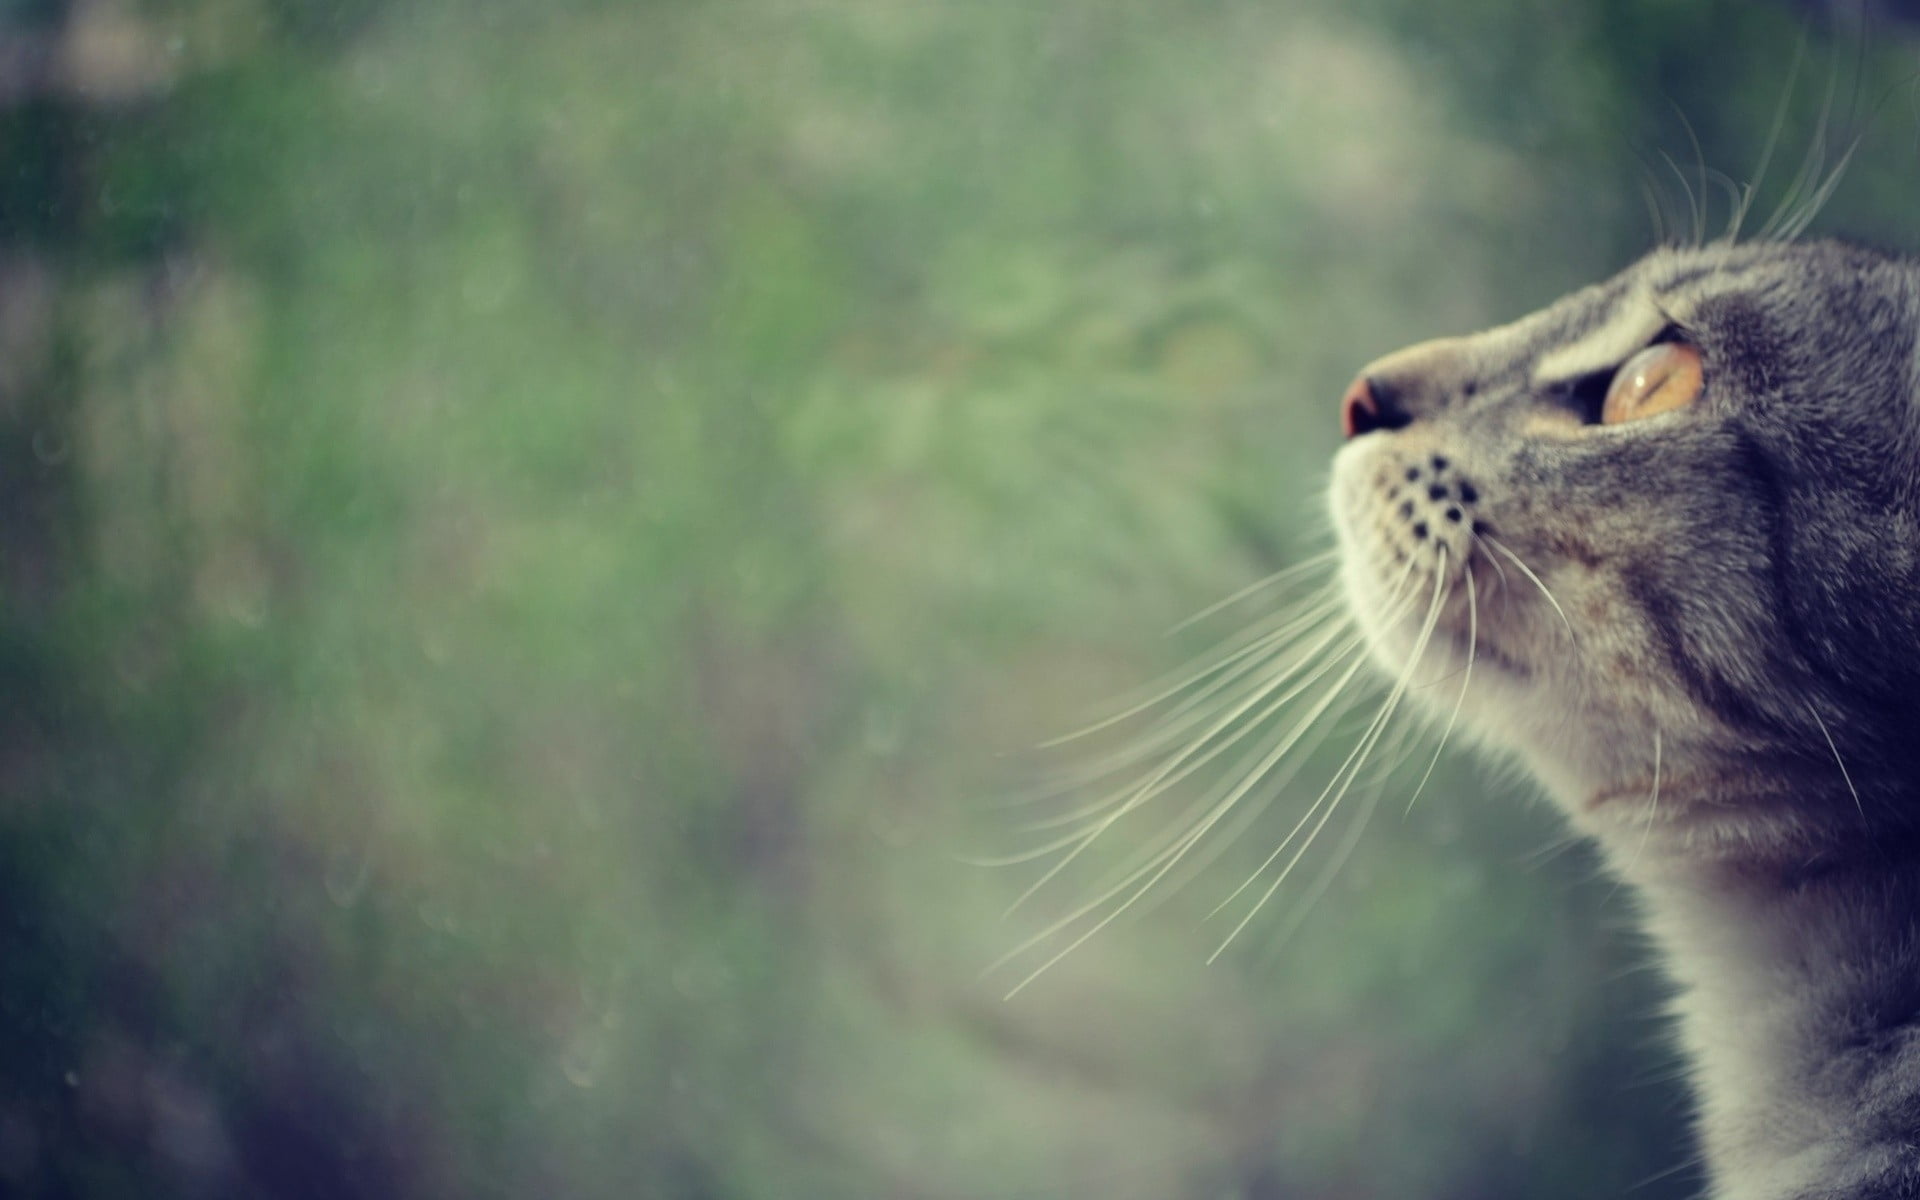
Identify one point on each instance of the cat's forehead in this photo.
(1602, 325)
(1679, 281)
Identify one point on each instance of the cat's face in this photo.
(1734, 568)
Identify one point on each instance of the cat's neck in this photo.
(1800, 1008)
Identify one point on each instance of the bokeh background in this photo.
(536, 535)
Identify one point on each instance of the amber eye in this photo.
(1656, 380)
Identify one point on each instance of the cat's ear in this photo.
(1659, 379)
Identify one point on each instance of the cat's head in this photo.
(1674, 521)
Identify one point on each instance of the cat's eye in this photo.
(1659, 379)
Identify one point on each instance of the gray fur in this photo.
(1740, 585)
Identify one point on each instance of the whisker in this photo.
(1473, 647)
(1328, 873)
(1272, 788)
(1348, 769)
(1695, 221)
(1844, 774)
(1655, 217)
(1691, 1162)
(1770, 145)
(1172, 857)
(1253, 769)
(1305, 845)
(1727, 186)
(1427, 624)
(1152, 787)
(1494, 563)
(1398, 603)
(1818, 199)
(1258, 585)
(1528, 572)
(1549, 850)
(1256, 637)
(1405, 739)
(1791, 208)
(1259, 689)
(1244, 685)
(1118, 794)
(1176, 722)
(1700, 165)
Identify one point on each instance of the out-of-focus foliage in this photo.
(535, 533)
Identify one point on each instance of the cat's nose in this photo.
(1407, 386)
(1370, 404)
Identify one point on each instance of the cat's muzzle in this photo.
(1411, 508)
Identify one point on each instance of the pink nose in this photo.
(1359, 410)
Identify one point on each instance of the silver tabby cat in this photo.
(1674, 521)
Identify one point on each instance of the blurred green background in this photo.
(536, 534)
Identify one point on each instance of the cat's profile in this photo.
(1659, 541)
(1668, 531)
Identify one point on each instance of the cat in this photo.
(1668, 531)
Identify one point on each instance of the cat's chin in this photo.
(1489, 684)
(1672, 802)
